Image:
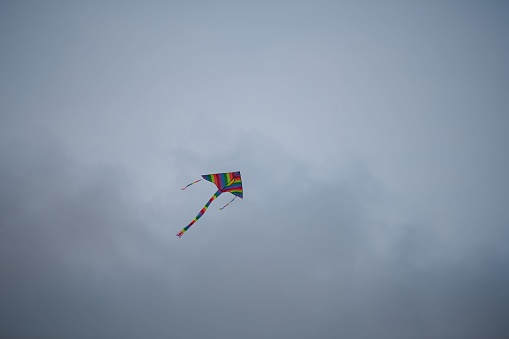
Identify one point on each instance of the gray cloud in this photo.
(371, 145)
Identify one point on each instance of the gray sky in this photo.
(372, 141)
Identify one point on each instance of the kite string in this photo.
(228, 203)
(190, 184)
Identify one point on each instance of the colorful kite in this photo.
(225, 182)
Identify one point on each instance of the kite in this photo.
(226, 182)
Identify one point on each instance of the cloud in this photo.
(371, 147)
(83, 256)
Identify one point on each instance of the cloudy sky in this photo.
(372, 138)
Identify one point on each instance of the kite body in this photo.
(225, 182)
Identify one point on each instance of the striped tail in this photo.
(203, 210)
(228, 203)
(190, 184)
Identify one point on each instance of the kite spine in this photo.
(203, 210)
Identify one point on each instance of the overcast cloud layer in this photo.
(372, 139)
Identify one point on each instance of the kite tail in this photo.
(190, 184)
(203, 210)
(228, 203)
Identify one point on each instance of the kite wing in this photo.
(226, 182)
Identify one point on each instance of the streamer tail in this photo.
(190, 184)
(228, 203)
(202, 211)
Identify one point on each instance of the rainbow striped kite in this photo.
(225, 182)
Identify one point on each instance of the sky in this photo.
(371, 137)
